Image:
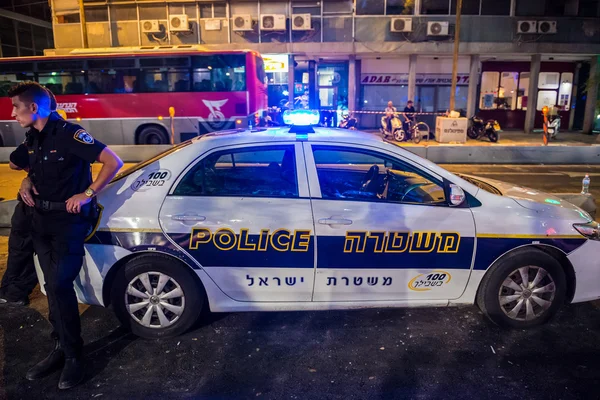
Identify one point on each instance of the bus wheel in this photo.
(153, 134)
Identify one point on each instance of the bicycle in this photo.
(416, 132)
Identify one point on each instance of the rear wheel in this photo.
(523, 290)
(153, 134)
(156, 296)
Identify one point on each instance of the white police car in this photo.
(276, 220)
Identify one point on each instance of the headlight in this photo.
(591, 230)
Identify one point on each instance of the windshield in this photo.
(149, 161)
(481, 184)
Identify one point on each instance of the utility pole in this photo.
(455, 56)
(83, 24)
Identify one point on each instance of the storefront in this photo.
(276, 67)
(384, 80)
(504, 92)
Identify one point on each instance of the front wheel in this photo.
(157, 297)
(419, 131)
(472, 133)
(493, 135)
(399, 135)
(523, 290)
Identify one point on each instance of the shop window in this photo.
(489, 90)
(375, 97)
(495, 7)
(400, 7)
(435, 7)
(548, 80)
(546, 98)
(507, 92)
(565, 90)
(443, 98)
(370, 7)
(63, 82)
(523, 91)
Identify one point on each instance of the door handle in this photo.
(188, 218)
(335, 221)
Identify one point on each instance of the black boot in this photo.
(72, 373)
(48, 365)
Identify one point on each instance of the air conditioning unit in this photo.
(272, 22)
(179, 23)
(301, 22)
(401, 25)
(546, 27)
(526, 27)
(437, 28)
(150, 26)
(242, 22)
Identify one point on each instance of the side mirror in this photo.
(457, 195)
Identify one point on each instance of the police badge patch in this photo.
(82, 136)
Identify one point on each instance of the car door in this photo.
(384, 228)
(244, 214)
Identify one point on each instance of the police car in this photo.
(309, 218)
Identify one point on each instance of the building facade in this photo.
(515, 55)
(25, 28)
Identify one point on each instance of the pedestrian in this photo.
(60, 188)
(20, 278)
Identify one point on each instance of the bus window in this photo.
(63, 82)
(112, 81)
(172, 80)
(9, 80)
(260, 70)
(224, 73)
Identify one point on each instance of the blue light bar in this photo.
(301, 117)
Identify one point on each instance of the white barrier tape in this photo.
(381, 112)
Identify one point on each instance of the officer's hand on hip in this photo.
(26, 191)
(75, 203)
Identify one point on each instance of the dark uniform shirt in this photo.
(19, 156)
(60, 158)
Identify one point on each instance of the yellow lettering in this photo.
(397, 242)
(263, 240)
(355, 242)
(225, 239)
(243, 244)
(422, 242)
(276, 242)
(449, 242)
(379, 240)
(199, 236)
(301, 241)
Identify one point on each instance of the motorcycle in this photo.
(348, 122)
(553, 126)
(396, 131)
(479, 129)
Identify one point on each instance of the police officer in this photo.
(60, 189)
(20, 278)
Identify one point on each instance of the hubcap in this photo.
(154, 300)
(527, 293)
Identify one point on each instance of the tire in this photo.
(421, 129)
(399, 135)
(472, 133)
(493, 136)
(181, 278)
(494, 286)
(153, 134)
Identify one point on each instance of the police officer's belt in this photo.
(50, 205)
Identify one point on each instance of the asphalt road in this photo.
(437, 353)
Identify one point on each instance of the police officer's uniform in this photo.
(60, 158)
(20, 278)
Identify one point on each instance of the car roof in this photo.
(283, 134)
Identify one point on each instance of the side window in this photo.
(354, 174)
(251, 172)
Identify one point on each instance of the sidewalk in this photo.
(515, 138)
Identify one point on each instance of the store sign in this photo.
(421, 79)
(276, 62)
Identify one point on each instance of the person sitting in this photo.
(390, 113)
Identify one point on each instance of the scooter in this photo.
(396, 127)
(554, 126)
(348, 122)
(479, 129)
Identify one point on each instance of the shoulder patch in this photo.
(82, 136)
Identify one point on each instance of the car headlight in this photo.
(591, 230)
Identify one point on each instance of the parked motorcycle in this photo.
(396, 127)
(553, 126)
(479, 129)
(348, 122)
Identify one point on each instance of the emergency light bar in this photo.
(301, 117)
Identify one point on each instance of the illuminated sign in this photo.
(276, 62)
